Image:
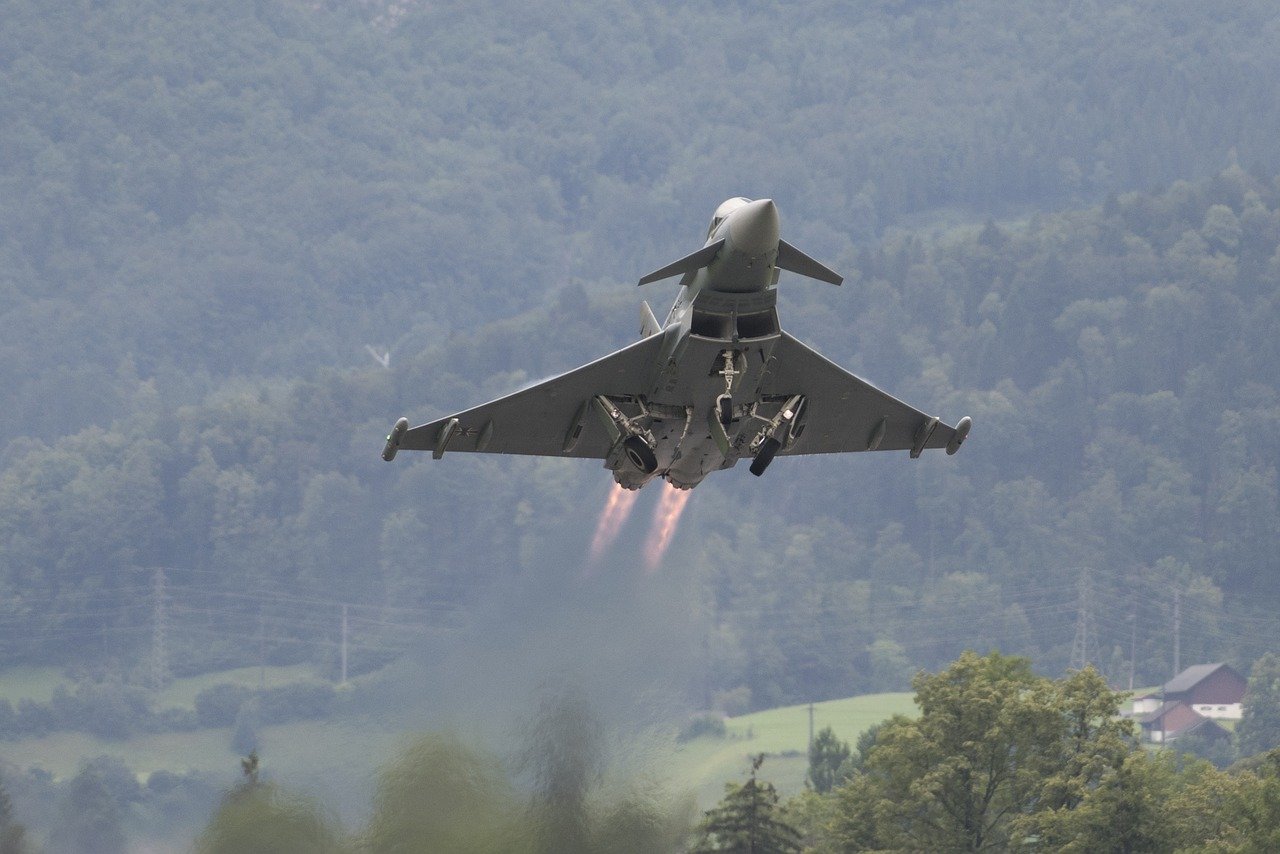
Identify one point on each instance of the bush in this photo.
(735, 702)
(109, 709)
(218, 706)
(297, 702)
(709, 724)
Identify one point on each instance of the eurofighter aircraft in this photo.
(719, 381)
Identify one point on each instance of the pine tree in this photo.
(12, 834)
(746, 821)
(826, 755)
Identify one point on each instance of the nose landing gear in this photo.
(731, 371)
(724, 409)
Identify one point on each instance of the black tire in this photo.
(640, 454)
(765, 456)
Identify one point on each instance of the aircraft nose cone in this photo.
(753, 228)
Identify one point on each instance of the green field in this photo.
(346, 752)
(31, 683)
(705, 764)
(342, 743)
(182, 692)
(38, 683)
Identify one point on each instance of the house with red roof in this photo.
(1191, 702)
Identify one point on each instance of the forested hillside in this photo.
(209, 210)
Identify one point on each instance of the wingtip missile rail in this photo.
(393, 439)
(962, 433)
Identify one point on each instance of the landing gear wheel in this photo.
(724, 408)
(640, 454)
(765, 456)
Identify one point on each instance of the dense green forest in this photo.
(209, 214)
(1060, 219)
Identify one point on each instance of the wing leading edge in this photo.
(845, 413)
(540, 420)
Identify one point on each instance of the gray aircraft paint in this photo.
(717, 382)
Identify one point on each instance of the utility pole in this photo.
(1133, 640)
(1177, 630)
(159, 633)
(344, 644)
(811, 727)
(262, 649)
(1133, 635)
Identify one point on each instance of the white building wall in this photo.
(1145, 705)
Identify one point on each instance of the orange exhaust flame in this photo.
(615, 513)
(665, 521)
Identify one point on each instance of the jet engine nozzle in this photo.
(753, 227)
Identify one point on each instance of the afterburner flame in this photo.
(615, 513)
(665, 521)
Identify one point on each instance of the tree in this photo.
(747, 821)
(1259, 729)
(994, 746)
(12, 833)
(89, 817)
(261, 819)
(826, 756)
(1085, 742)
(257, 817)
(1128, 812)
(440, 795)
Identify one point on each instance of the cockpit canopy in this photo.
(726, 207)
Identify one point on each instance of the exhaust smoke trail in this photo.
(615, 513)
(665, 521)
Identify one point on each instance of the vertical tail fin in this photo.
(648, 323)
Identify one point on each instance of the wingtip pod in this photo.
(393, 439)
(962, 432)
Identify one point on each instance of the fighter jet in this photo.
(719, 381)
